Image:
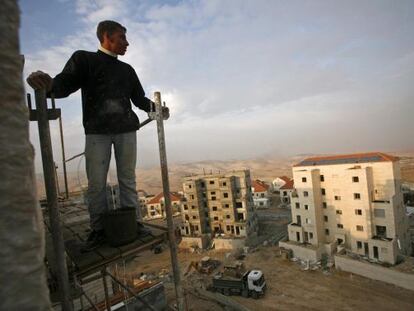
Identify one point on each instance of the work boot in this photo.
(142, 230)
(95, 239)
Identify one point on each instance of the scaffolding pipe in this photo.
(167, 200)
(65, 176)
(52, 200)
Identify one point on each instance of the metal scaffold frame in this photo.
(42, 115)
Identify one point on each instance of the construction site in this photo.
(231, 242)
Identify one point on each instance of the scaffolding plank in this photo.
(81, 260)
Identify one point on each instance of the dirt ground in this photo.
(288, 287)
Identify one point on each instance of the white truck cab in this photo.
(256, 281)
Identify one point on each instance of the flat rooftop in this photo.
(348, 159)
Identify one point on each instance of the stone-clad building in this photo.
(218, 206)
(354, 201)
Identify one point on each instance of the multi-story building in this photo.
(219, 206)
(260, 194)
(354, 201)
(156, 206)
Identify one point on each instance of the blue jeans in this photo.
(98, 155)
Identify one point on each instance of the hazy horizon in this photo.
(244, 79)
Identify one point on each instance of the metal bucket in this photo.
(120, 226)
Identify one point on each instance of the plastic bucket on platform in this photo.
(120, 226)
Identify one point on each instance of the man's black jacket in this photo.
(108, 87)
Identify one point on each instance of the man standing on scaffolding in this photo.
(108, 86)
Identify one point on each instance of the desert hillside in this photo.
(149, 179)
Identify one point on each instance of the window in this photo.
(355, 179)
(227, 216)
(192, 197)
(214, 208)
(306, 206)
(338, 212)
(225, 195)
(358, 212)
(262, 195)
(226, 205)
(323, 191)
(337, 198)
(326, 231)
(193, 207)
(359, 244)
(185, 207)
(202, 184)
(357, 196)
(310, 235)
(189, 187)
(211, 182)
(360, 228)
(224, 184)
(324, 205)
(194, 217)
(303, 179)
(213, 193)
(215, 218)
(379, 213)
(322, 178)
(325, 218)
(213, 198)
(381, 231)
(305, 193)
(340, 226)
(308, 221)
(297, 204)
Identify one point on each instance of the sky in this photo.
(244, 79)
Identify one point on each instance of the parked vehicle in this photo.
(250, 284)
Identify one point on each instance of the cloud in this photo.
(246, 77)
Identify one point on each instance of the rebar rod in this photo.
(167, 200)
(130, 291)
(52, 200)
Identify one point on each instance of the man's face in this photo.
(117, 42)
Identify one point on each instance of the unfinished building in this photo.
(218, 207)
(351, 201)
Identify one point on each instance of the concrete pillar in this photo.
(22, 271)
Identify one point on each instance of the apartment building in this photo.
(218, 206)
(156, 206)
(260, 194)
(354, 201)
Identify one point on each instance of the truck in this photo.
(250, 284)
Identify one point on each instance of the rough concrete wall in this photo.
(229, 244)
(22, 271)
(301, 252)
(375, 272)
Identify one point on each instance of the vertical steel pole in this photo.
(166, 189)
(51, 194)
(63, 151)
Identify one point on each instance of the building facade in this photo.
(354, 201)
(260, 194)
(218, 206)
(156, 206)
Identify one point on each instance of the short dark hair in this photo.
(109, 27)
